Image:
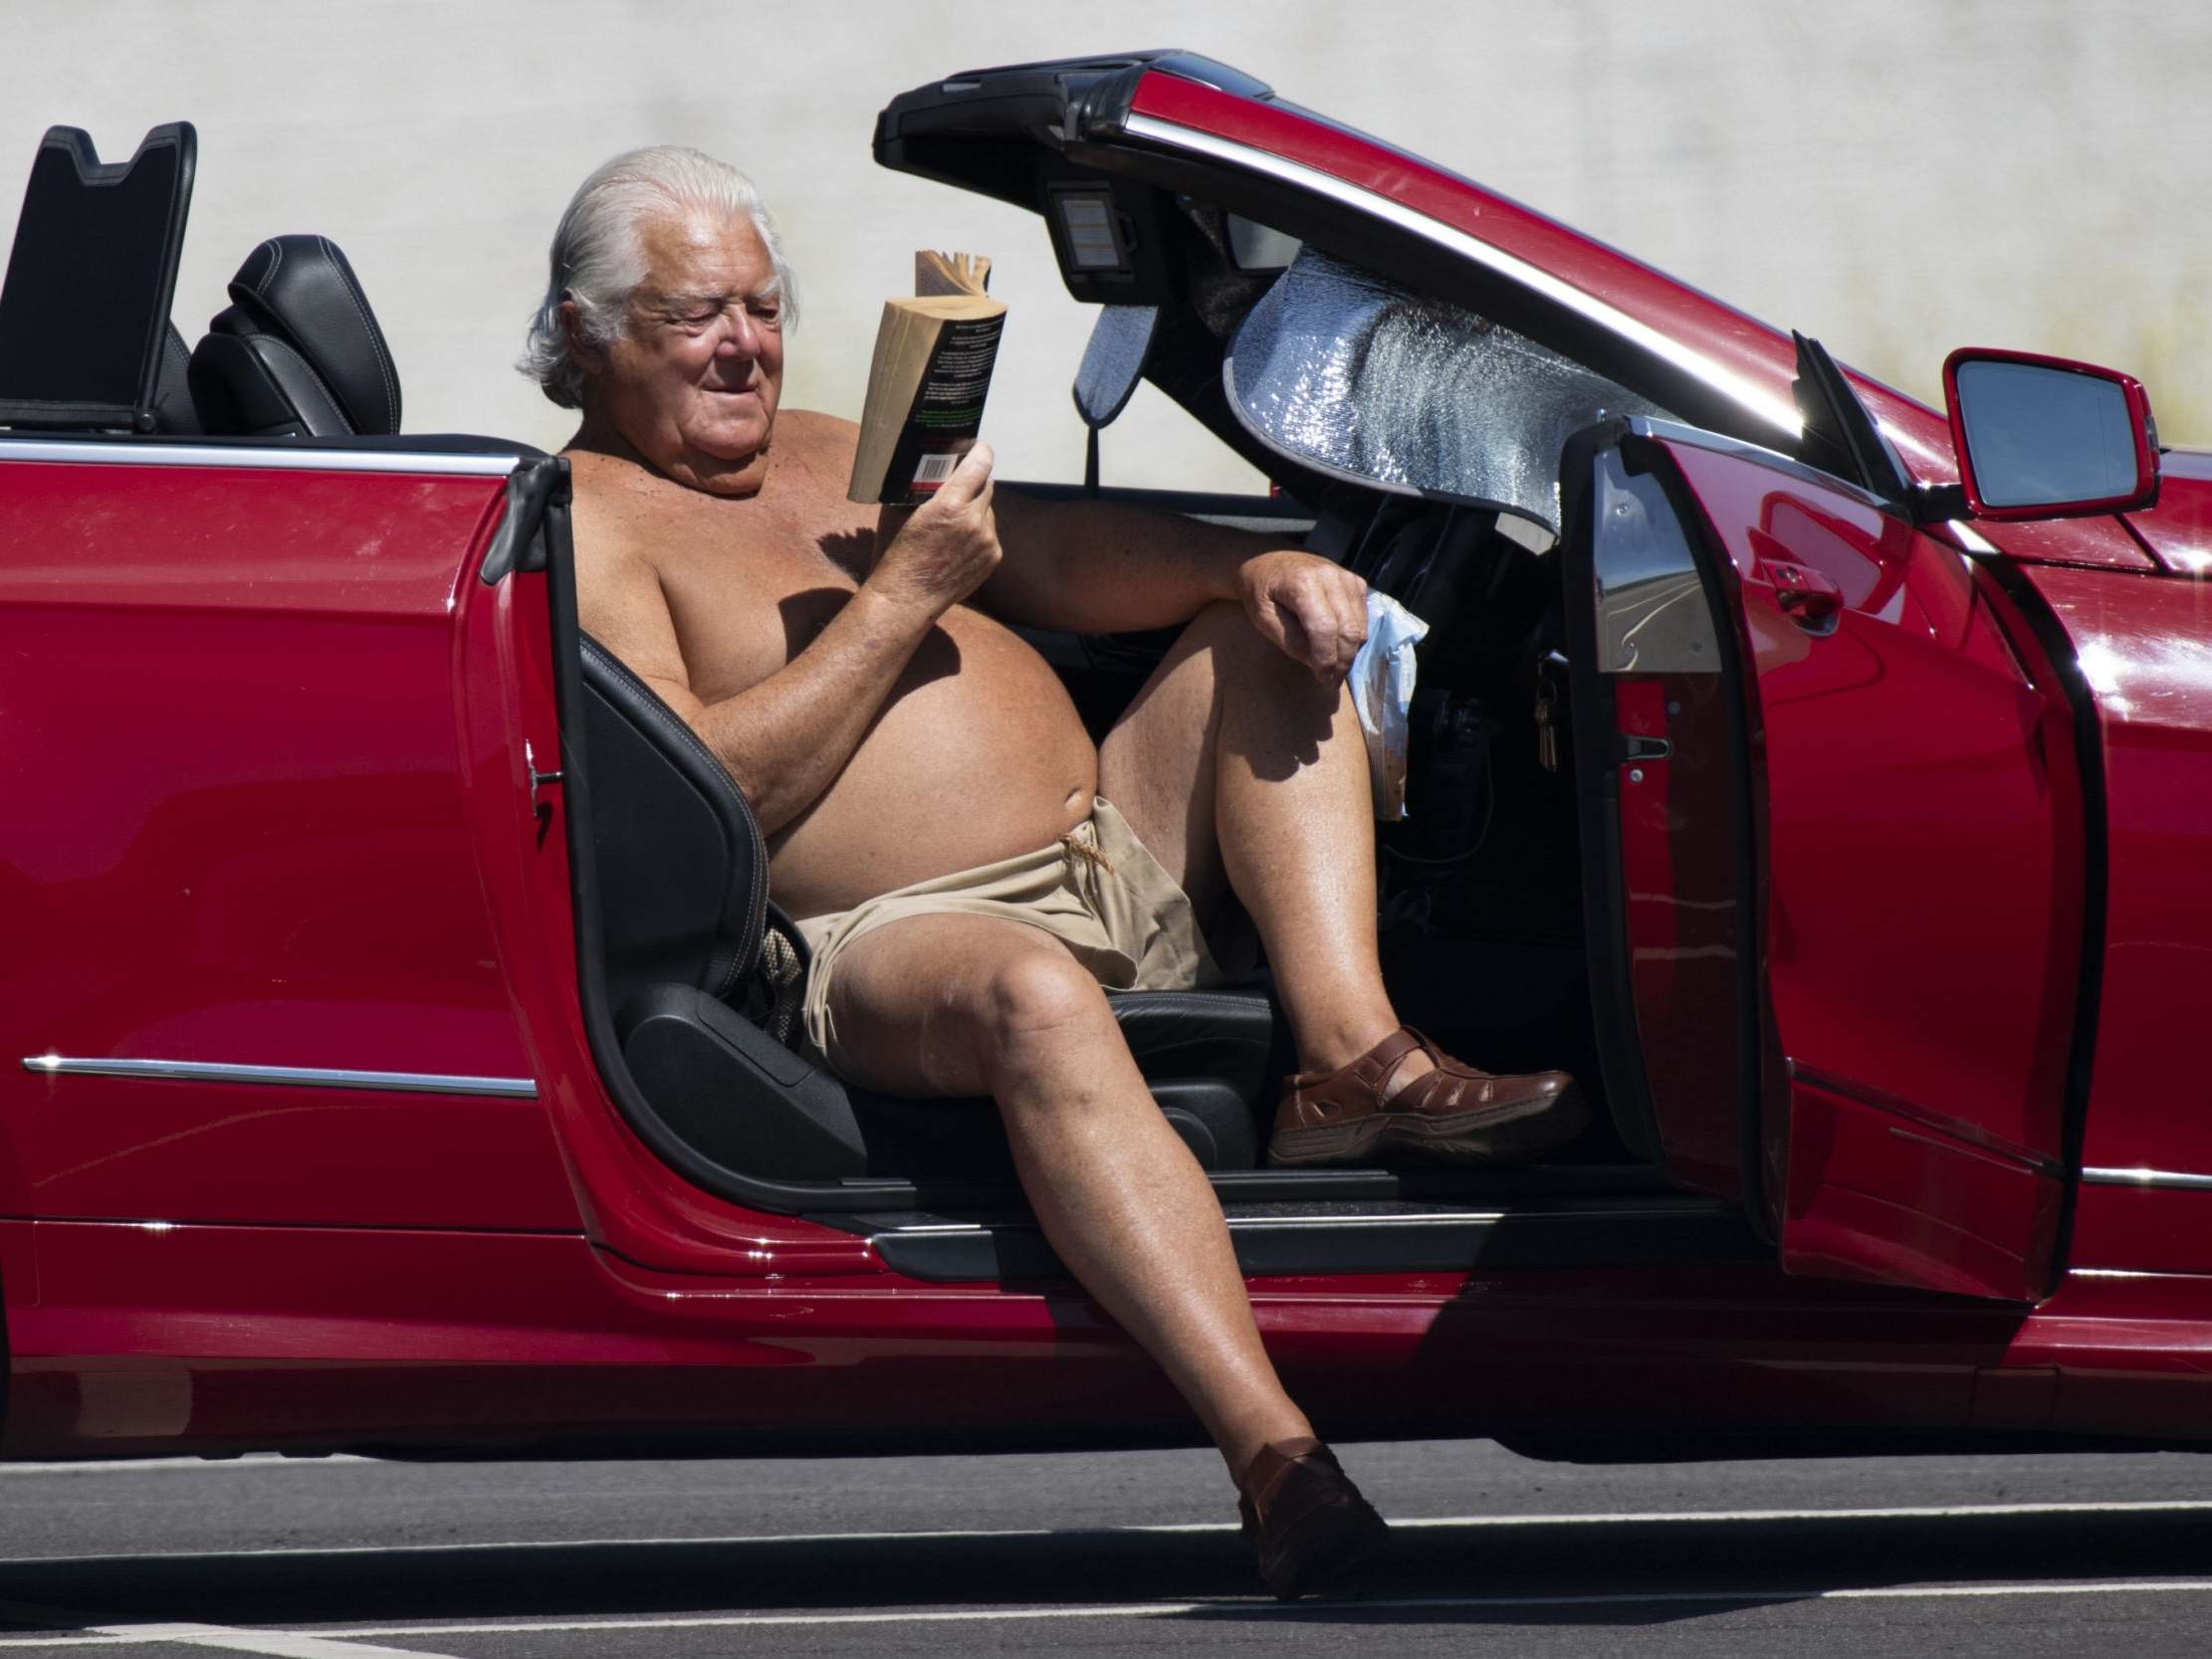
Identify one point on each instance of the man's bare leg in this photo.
(970, 1005)
(1236, 769)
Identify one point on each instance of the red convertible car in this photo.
(393, 989)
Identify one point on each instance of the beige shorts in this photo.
(1096, 889)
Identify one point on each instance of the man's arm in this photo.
(788, 738)
(1101, 567)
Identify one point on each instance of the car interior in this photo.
(690, 967)
(1480, 901)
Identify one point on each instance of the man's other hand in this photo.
(1315, 611)
(935, 555)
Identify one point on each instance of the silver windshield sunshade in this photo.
(1352, 375)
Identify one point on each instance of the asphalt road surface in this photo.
(1106, 1553)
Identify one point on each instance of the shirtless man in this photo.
(857, 676)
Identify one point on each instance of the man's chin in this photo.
(722, 475)
(730, 446)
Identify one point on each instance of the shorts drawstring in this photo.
(1081, 848)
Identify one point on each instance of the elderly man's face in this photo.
(693, 380)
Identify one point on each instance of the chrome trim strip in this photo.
(1769, 408)
(123, 453)
(2148, 1178)
(313, 1076)
(1674, 432)
(1262, 1223)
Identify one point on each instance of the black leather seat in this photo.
(297, 354)
(683, 899)
(173, 413)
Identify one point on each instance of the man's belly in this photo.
(978, 756)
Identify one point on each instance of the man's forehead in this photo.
(698, 250)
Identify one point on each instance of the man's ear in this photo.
(588, 357)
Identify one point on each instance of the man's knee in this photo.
(1032, 993)
(1031, 1005)
(1244, 658)
(1233, 654)
(1224, 623)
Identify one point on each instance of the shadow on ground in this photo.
(1712, 1565)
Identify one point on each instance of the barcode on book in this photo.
(932, 470)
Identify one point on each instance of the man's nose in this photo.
(741, 336)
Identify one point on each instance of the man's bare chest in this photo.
(750, 591)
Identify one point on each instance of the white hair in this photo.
(597, 263)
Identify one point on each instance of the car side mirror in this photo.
(2045, 438)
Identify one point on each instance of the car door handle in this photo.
(1808, 597)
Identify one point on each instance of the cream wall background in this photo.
(1895, 176)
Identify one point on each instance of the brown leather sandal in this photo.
(1308, 1521)
(1453, 1113)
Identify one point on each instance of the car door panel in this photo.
(233, 685)
(1685, 913)
(1917, 842)
(1914, 776)
(1670, 892)
(1873, 1191)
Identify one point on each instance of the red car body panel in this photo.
(2101, 542)
(1911, 767)
(197, 1266)
(2146, 649)
(2178, 530)
(148, 1338)
(263, 855)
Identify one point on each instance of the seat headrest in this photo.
(308, 351)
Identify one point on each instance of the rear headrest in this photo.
(298, 351)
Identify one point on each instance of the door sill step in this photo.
(1277, 1240)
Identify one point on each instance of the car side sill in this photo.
(1355, 1239)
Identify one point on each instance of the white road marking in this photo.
(1957, 1512)
(222, 1637)
(137, 1465)
(345, 1643)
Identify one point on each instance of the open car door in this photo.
(1835, 860)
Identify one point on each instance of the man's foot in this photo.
(1308, 1522)
(1453, 1114)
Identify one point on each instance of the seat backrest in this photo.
(683, 874)
(84, 307)
(297, 354)
(172, 392)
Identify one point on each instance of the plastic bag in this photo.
(1383, 693)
